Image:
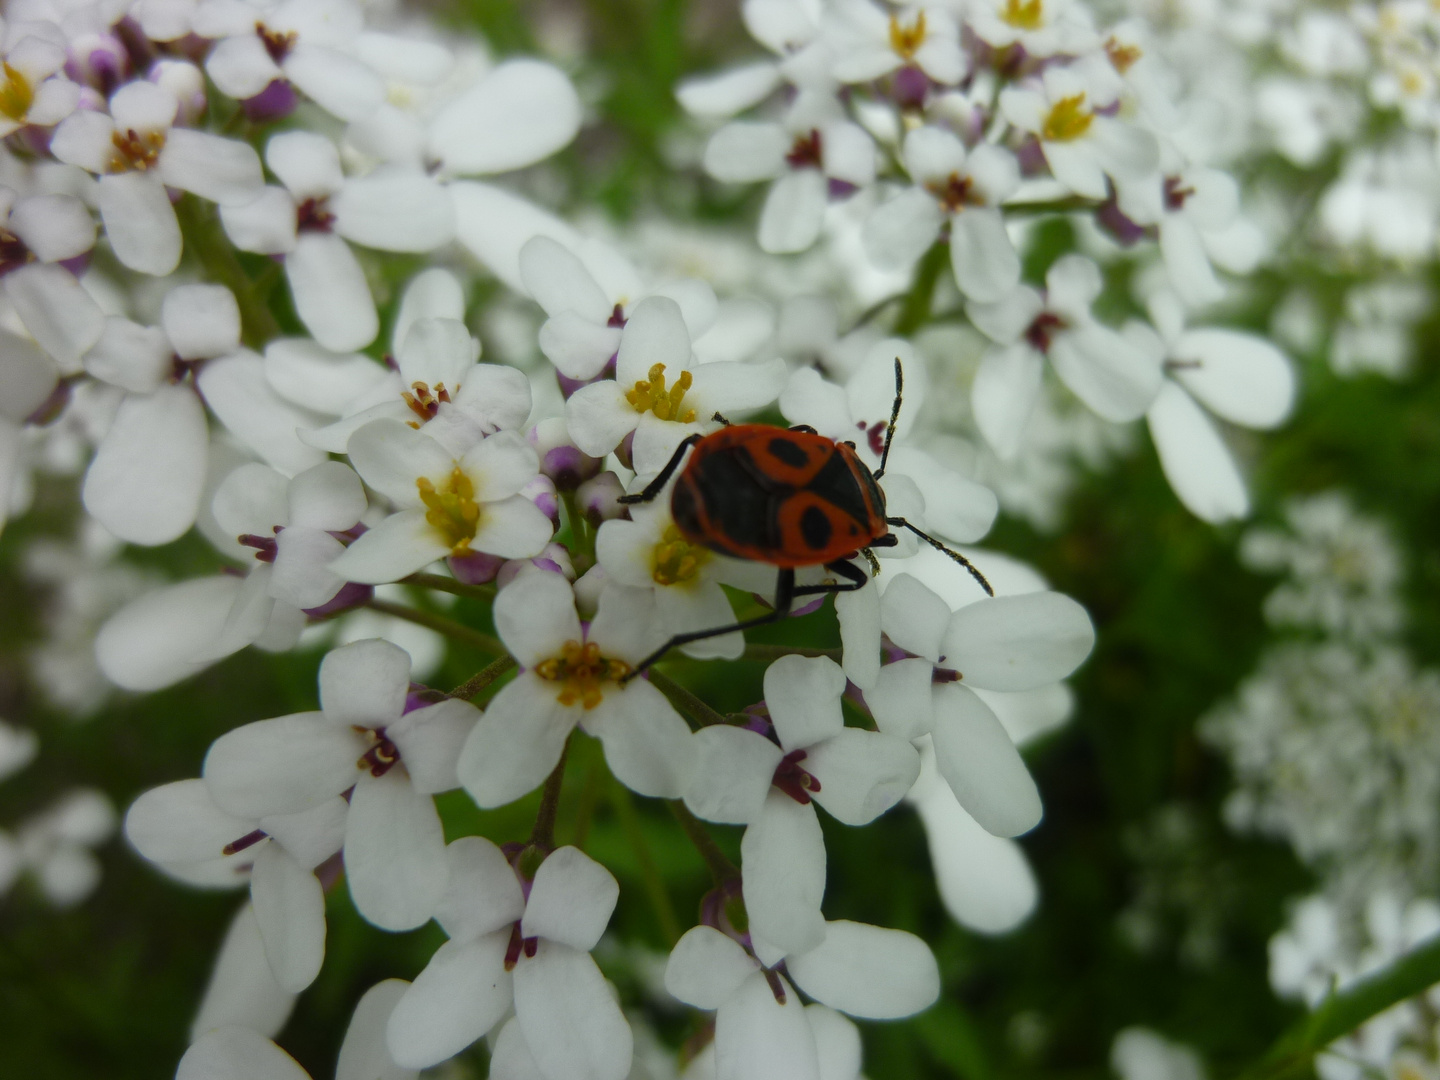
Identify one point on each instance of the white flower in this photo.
(743, 777)
(48, 228)
(813, 145)
(590, 294)
(34, 90)
(1240, 377)
(1081, 146)
(1192, 207)
(393, 208)
(523, 947)
(660, 393)
(1040, 27)
(137, 154)
(1111, 376)
(307, 42)
(291, 524)
(362, 739)
(448, 504)
(1005, 643)
(869, 42)
(762, 1030)
(571, 675)
(179, 827)
(959, 189)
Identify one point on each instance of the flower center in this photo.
(1068, 119)
(806, 153)
(1024, 14)
(956, 193)
(1042, 331)
(383, 754)
(13, 251)
(451, 510)
(518, 944)
(135, 152)
(278, 43)
(906, 40)
(581, 670)
(1175, 195)
(424, 402)
(792, 779)
(650, 395)
(16, 95)
(1122, 57)
(675, 559)
(313, 215)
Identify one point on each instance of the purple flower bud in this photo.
(568, 385)
(99, 61)
(350, 595)
(1125, 231)
(541, 491)
(911, 87)
(1031, 158)
(475, 567)
(599, 498)
(274, 102)
(560, 459)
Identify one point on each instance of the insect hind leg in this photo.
(658, 484)
(784, 601)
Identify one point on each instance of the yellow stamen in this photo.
(135, 152)
(1024, 14)
(16, 95)
(675, 559)
(906, 40)
(1068, 119)
(1122, 57)
(452, 510)
(650, 395)
(581, 670)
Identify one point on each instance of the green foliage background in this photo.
(108, 989)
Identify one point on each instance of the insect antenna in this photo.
(894, 418)
(938, 546)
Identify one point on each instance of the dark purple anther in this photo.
(792, 779)
(313, 215)
(1042, 330)
(265, 546)
(380, 758)
(250, 839)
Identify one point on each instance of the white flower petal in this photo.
(706, 967)
(862, 773)
(242, 990)
(145, 482)
(598, 416)
(803, 695)
(495, 225)
(236, 1053)
(238, 393)
(482, 895)
(899, 231)
(429, 741)
(154, 641)
(517, 743)
(728, 92)
(394, 210)
(520, 112)
(364, 684)
(900, 700)
(746, 151)
(57, 311)
(783, 854)
(265, 224)
(732, 773)
(339, 84)
(1004, 394)
(290, 910)
(868, 971)
(54, 227)
(570, 1020)
(1195, 458)
(330, 292)
(201, 321)
(757, 1038)
(647, 745)
(859, 613)
(1018, 642)
(140, 222)
(981, 765)
(460, 995)
(281, 765)
(394, 852)
(535, 617)
(984, 260)
(225, 171)
(571, 900)
(1240, 377)
(399, 546)
(1105, 371)
(794, 211)
(179, 822)
(364, 1055)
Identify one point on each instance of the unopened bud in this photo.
(599, 498)
(560, 459)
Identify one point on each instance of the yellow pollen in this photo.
(1068, 119)
(16, 95)
(675, 559)
(906, 40)
(452, 510)
(135, 152)
(1122, 57)
(581, 670)
(1024, 14)
(650, 395)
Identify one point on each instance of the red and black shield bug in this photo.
(785, 496)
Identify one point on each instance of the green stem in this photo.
(585, 810)
(1345, 1010)
(695, 710)
(483, 678)
(582, 546)
(721, 868)
(649, 872)
(768, 653)
(543, 835)
(476, 639)
(915, 309)
(206, 241)
(440, 583)
(1054, 206)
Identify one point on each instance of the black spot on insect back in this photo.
(815, 527)
(785, 451)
